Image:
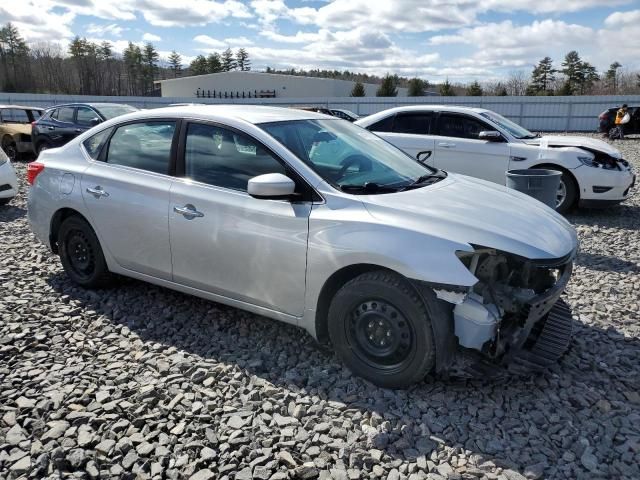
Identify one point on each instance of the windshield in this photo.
(511, 127)
(113, 111)
(349, 157)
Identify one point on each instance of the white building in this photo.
(249, 84)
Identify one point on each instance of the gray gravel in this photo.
(142, 382)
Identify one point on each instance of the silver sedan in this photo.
(311, 220)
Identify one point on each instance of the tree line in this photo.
(92, 68)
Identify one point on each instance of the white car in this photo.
(311, 220)
(483, 144)
(8, 179)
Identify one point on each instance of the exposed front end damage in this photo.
(512, 317)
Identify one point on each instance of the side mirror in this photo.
(94, 121)
(271, 186)
(490, 135)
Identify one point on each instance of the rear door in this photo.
(458, 148)
(61, 127)
(126, 192)
(232, 244)
(410, 131)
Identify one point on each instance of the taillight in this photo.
(33, 124)
(33, 169)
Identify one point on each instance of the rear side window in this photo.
(146, 146)
(65, 114)
(460, 126)
(93, 145)
(412, 123)
(87, 117)
(383, 125)
(14, 115)
(225, 158)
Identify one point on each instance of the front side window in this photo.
(65, 115)
(383, 125)
(224, 158)
(511, 127)
(146, 146)
(412, 123)
(93, 145)
(347, 156)
(87, 117)
(460, 126)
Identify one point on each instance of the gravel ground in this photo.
(143, 382)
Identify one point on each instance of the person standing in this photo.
(622, 111)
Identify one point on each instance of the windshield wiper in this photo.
(427, 179)
(368, 187)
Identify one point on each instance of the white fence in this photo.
(548, 114)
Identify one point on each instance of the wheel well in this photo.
(7, 139)
(552, 166)
(330, 288)
(57, 219)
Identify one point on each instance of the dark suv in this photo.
(607, 120)
(61, 123)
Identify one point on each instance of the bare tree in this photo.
(516, 83)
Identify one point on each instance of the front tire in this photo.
(381, 330)
(81, 254)
(567, 193)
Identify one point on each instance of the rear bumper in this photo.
(8, 181)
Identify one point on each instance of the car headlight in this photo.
(588, 161)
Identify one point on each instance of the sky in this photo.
(461, 40)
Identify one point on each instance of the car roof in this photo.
(21, 107)
(366, 121)
(248, 113)
(90, 104)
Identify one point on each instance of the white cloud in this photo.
(169, 13)
(209, 42)
(150, 37)
(112, 29)
(618, 19)
(238, 41)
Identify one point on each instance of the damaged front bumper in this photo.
(522, 331)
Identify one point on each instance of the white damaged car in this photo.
(402, 268)
(483, 144)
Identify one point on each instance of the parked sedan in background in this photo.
(62, 123)
(344, 114)
(311, 220)
(8, 180)
(15, 128)
(483, 144)
(607, 120)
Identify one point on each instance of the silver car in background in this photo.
(404, 269)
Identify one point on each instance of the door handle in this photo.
(97, 192)
(188, 211)
(51, 128)
(79, 130)
(518, 159)
(446, 145)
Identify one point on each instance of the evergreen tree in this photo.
(175, 63)
(228, 61)
(474, 90)
(150, 59)
(14, 53)
(572, 69)
(542, 77)
(416, 87)
(565, 89)
(588, 76)
(388, 87)
(132, 56)
(242, 60)
(214, 63)
(611, 76)
(446, 90)
(358, 90)
(199, 65)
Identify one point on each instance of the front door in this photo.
(458, 148)
(223, 240)
(410, 133)
(127, 195)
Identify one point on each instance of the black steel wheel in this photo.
(381, 329)
(81, 254)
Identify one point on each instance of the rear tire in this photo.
(381, 330)
(4, 201)
(81, 254)
(10, 149)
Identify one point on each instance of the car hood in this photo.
(472, 211)
(575, 141)
(12, 128)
